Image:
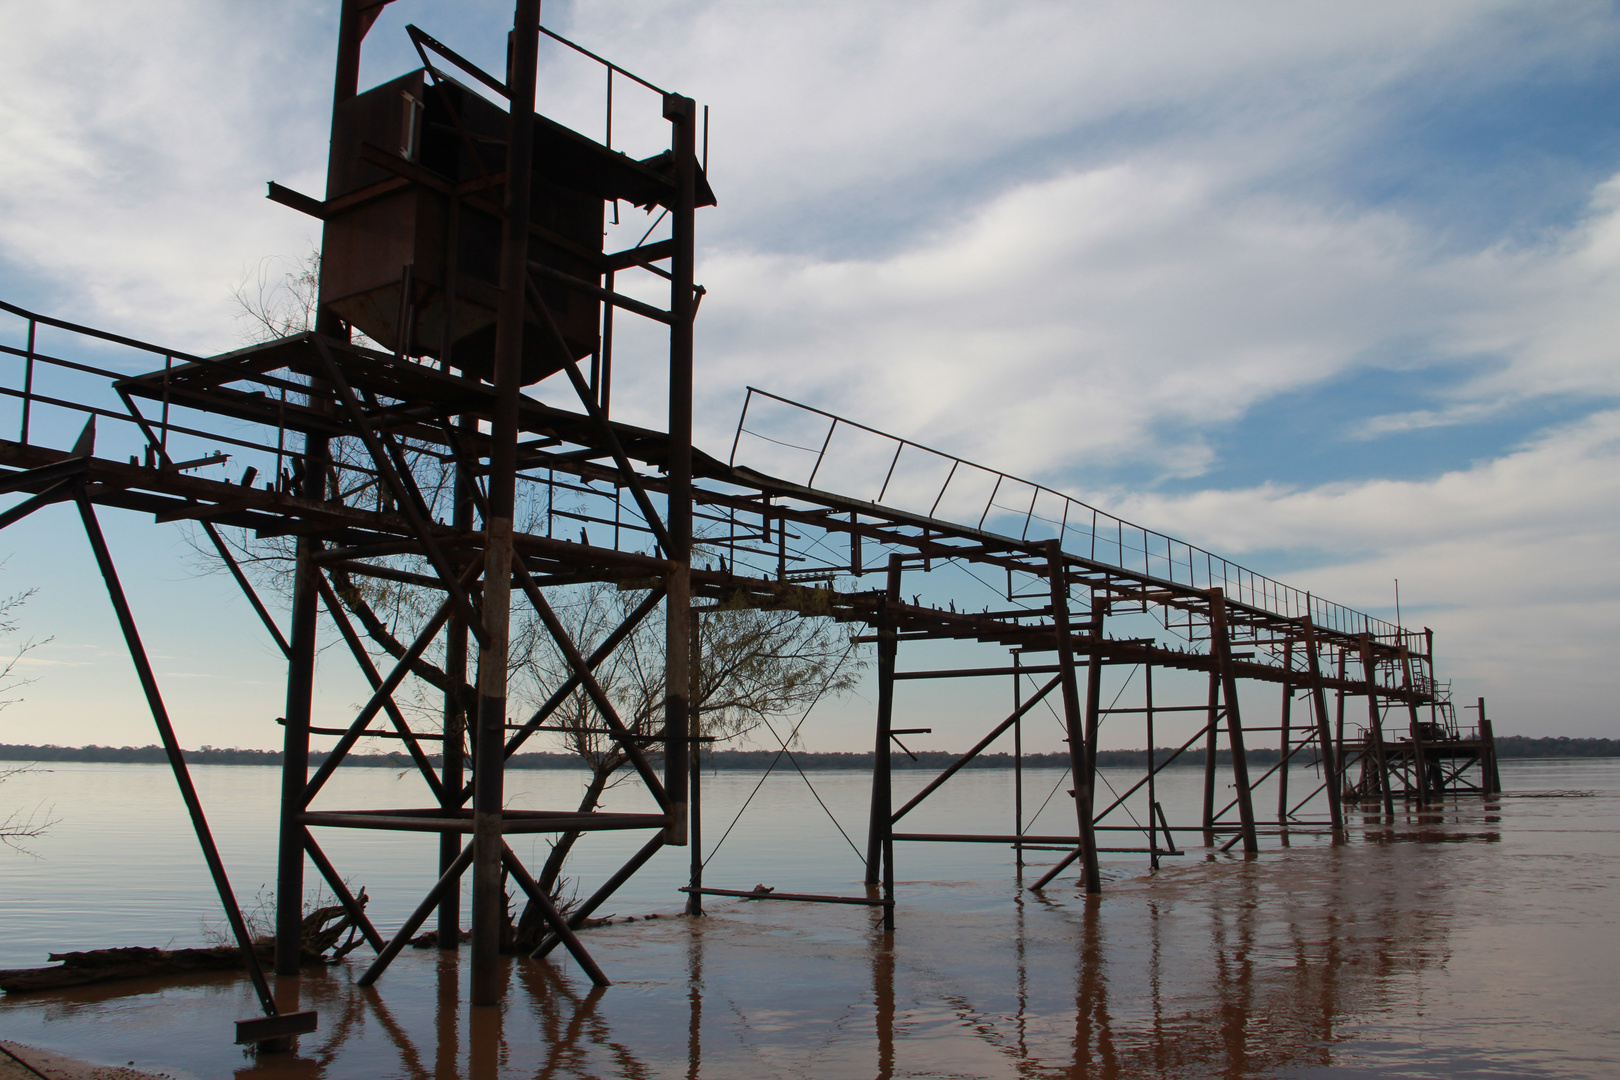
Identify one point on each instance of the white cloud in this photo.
(1038, 235)
(1072, 318)
(132, 178)
(1420, 419)
(843, 99)
(1512, 561)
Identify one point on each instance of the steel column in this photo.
(681, 112)
(1375, 722)
(1324, 735)
(1018, 756)
(1080, 760)
(488, 898)
(881, 821)
(295, 738)
(1283, 738)
(1490, 776)
(1220, 640)
(694, 899)
(1152, 773)
(452, 762)
(1211, 730)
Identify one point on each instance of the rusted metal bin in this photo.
(411, 250)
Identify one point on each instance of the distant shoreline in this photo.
(1507, 746)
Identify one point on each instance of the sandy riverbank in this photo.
(60, 1067)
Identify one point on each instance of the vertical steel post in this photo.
(1284, 737)
(1324, 734)
(881, 824)
(1420, 755)
(306, 577)
(1221, 639)
(1420, 763)
(1434, 689)
(1080, 760)
(1210, 748)
(488, 901)
(694, 899)
(1375, 721)
(1152, 776)
(604, 387)
(681, 113)
(350, 34)
(1344, 767)
(1018, 757)
(452, 767)
(295, 734)
(1094, 673)
(28, 383)
(1490, 776)
(453, 763)
(301, 643)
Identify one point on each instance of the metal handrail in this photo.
(1128, 546)
(183, 420)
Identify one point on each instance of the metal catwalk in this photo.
(447, 428)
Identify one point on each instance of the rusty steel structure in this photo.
(461, 369)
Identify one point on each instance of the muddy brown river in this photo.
(1478, 939)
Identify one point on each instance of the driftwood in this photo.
(319, 943)
(107, 965)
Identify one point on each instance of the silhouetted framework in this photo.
(464, 239)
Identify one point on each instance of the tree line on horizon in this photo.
(1507, 746)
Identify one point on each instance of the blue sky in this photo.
(1328, 288)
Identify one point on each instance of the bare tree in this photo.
(278, 298)
(755, 664)
(18, 825)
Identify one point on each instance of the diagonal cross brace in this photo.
(341, 890)
(334, 608)
(448, 880)
(383, 693)
(54, 474)
(631, 478)
(554, 919)
(1156, 769)
(171, 747)
(247, 588)
(995, 733)
(558, 696)
(407, 505)
(583, 911)
(582, 671)
(156, 444)
(57, 492)
(396, 454)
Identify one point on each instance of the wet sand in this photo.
(1471, 941)
(35, 1063)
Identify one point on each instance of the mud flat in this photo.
(61, 1067)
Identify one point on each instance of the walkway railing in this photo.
(818, 449)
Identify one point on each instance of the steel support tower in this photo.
(451, 412)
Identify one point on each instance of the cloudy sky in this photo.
(1327, 288)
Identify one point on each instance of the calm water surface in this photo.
(1474, 940)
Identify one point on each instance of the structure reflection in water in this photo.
(1223, 968)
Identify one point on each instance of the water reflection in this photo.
(1283, 960)
(1229, 968)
